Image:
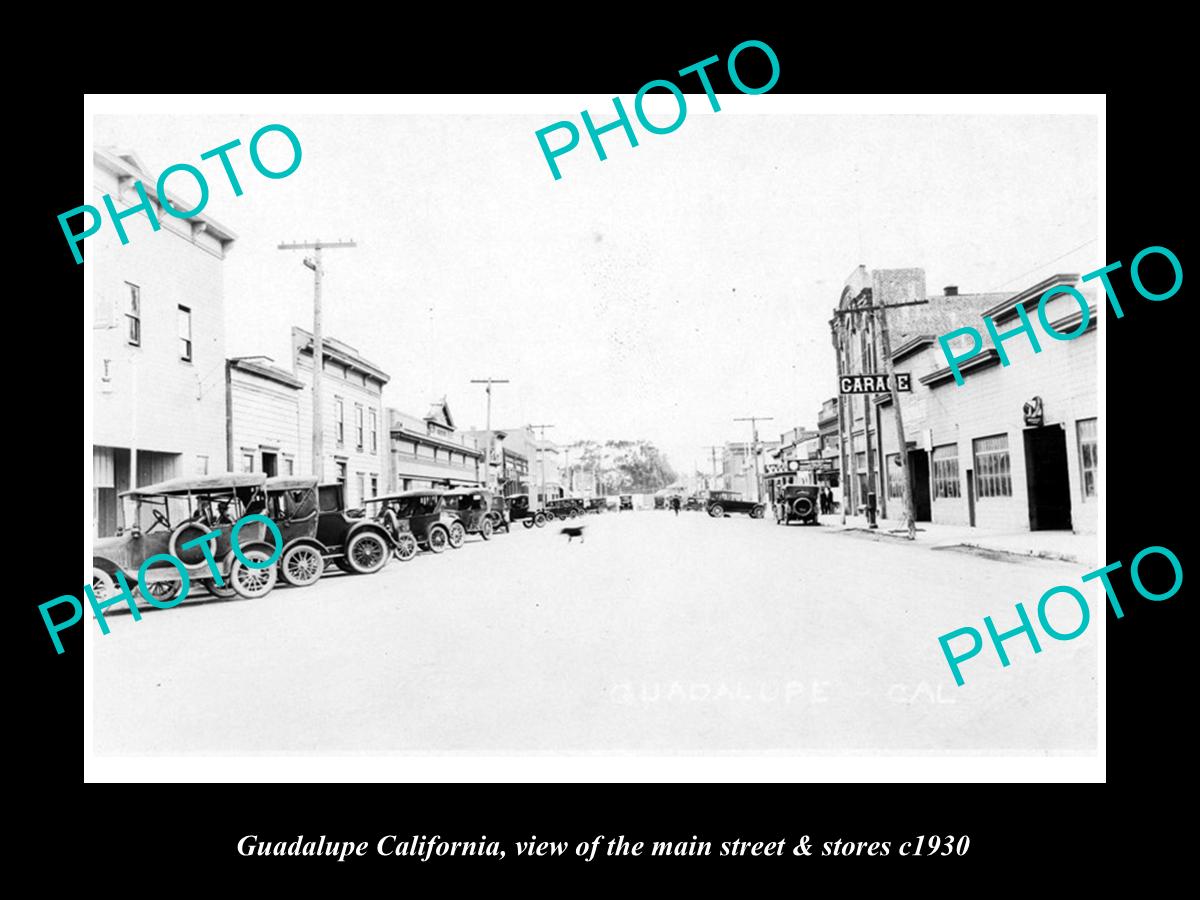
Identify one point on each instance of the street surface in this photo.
(657, 634)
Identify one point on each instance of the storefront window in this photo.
(992, 475)
(1089, 459)
(945, 472)
(895, 477)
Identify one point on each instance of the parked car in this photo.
(798, 503)
(595, 505)
(473, 507)
(519, 510)
(161, 518)
(424, 515)
(695, 501)
(564, 508)
(626, 502)
(499, 514)
(317, 529)
(722, 503)
(660, 502)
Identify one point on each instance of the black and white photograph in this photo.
(424, 429)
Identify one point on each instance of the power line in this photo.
(1046, 263)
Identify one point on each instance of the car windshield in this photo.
(407, 507)
(293, 504)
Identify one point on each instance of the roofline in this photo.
(243, 364)
(1006, 308)
(117, 166)
(352, 359)
(401, 431)
(988, 357)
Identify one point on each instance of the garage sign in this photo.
(874, 384)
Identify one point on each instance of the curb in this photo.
(1015, 554)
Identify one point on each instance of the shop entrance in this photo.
(1046, 477)
(918, 483)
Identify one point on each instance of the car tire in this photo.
(103, 583)
(757, 512)
(406, 547)
(716, 510)
(539, 520)
(457, 535)
(302, 565)
(367, 552)
(486, 529)
(224, 592)
(439, 539)
(252, 583)
(528, 523)
(162, 591)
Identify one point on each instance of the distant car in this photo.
(519, 510)
(473, 507)
(564, 508)
(660, 502)
(798, 503)
(626, 502)
(499, 513)
(424, 514)
(695, 501)
(722, 503)
(595, 505)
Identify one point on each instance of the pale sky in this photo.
(656, 295)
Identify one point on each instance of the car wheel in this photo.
(224, 592)
(486, 529)
(103, 584)
(252, 583)
(716, 510)
(438, 539)
(528, 523)
(302, 565)
(757, 512)
(539, 520)
(406, 547)
(367, 552)
(163, 591)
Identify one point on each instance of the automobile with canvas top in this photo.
(797, 503)
(161, 518)
(722, 503)
(473, 507)
(421, 513)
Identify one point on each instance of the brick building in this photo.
(159, 342)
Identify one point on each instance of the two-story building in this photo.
(539, 457)
(354, 442)
(830, 445)
(263, 417)
(159, 341)
(430, 452)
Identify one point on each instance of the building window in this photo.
(945, 472)
(374, 431)
(1089, 456)
(992, 475)
(374, 485)
(133, 315)
(185, 334)
(201, 464)
(895, 481)
(247, 462)
(339, 420)
(341, 473)
(289, 466)
(362, 486)
(358, 426)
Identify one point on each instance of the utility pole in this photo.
(570, 480)
(314, 263)
(885, 344)
(542, 457)
(490, 441)
(754, 420)
(845, 437)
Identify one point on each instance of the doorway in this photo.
(270, 464)
(1046, 478)
(918, 484)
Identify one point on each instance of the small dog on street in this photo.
(572, 532)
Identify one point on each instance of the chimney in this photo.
(951, 290)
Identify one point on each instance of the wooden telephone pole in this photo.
(754, 420)
(314, 263)
(542, 457)
(490, 448)
(714, 450)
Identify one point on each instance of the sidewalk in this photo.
(1060, 545)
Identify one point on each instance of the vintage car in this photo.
(499, 513)
(161, 518)
(519, 511)
(797, 503)
(722, 503)
(626, 502)
(660, 502)
(473, 507)
(317, 529)
(595, 505)
(423, 514)
(695, 501)
(564, 508)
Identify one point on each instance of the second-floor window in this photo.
(374, 431)
(358, 426)
(185, 334)
(339, 419)
(133, 315)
